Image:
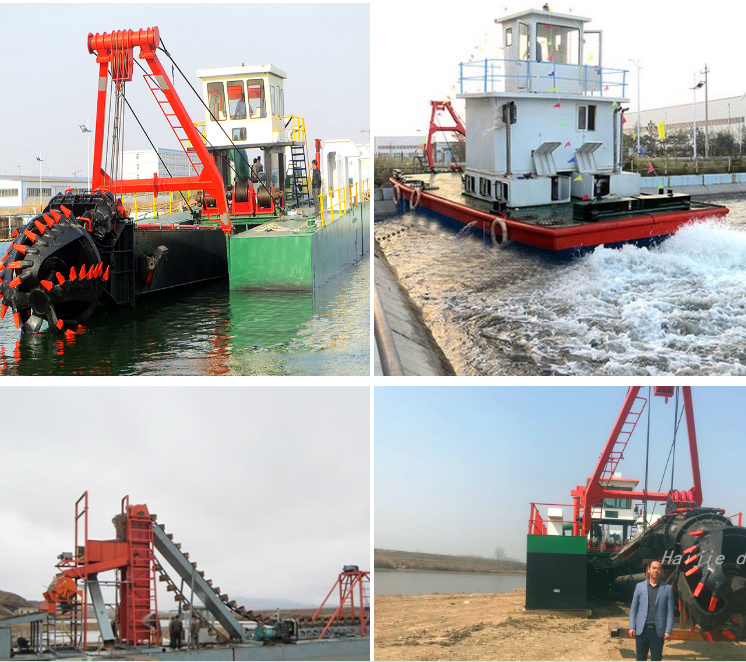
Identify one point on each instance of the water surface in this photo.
(209, 330)
(406, 582)
(678, 308)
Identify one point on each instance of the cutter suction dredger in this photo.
(704, 555)
(142, 554)
(603, 542)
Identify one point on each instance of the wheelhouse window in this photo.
(524, 44)
(508, 37)
(557, 43)
(236, 100)
(216, 101)
(587, 118)
(273, 99)
(257, 102)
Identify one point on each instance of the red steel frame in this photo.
(458, 127)
(639, 227)
(136, 561)
(114, 54)
(349, 585)
(584, 498)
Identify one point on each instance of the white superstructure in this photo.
(544, 122)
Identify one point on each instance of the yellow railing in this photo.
(156, 206)
(201, 127)
(341, 195)
(292, 126)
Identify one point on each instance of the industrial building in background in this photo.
(23, 191)
(723, 116)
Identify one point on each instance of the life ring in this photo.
(503, 232)
(396, 193)
(414, 200)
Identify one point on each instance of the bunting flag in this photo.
(651, 170)
(586, 197)
(568, 143)
(554, 89)
(557, 105)
(579, 178)
(572, 160)
(551, 73)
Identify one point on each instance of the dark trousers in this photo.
(649, 639)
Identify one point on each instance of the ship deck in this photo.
(549, 227)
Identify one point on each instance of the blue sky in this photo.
(456, 468)
(49, 80)
(670, 43)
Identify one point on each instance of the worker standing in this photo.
(175, 632)
(315, 186)
(194, 632)
(259, 168)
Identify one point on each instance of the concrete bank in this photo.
(418, 351)
(698, 185)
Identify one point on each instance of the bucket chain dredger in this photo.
(75, 593)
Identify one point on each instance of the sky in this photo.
(417, 50)
(50, 80)
(456, 468)
(268, 489)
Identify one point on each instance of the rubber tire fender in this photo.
(503, 232)
(414, 200)
(396, 193)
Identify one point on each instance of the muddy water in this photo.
(675, 309)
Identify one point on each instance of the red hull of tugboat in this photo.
(588, 235)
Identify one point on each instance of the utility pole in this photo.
(637, 64)
(707, 116)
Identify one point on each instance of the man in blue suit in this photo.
(651, 614)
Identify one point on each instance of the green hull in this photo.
(291, 256)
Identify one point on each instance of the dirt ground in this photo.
(465, 626)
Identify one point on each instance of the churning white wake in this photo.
(678, 309)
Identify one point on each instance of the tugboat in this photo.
(544, 147)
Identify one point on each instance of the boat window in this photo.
(257, 103)
(239, 133)
(273, 99)
(508, 37)
(617, 503)
(236, 100)
(557, 43)
(524, 44)
(216, 101)
(592, 48)
(282, 101)
(587, 118)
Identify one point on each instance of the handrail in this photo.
(295, 125)
(491, 75)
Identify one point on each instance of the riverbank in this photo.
(468, 626)
(388, 559)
